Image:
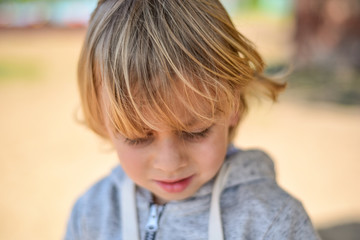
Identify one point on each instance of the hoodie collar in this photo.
(245, 166)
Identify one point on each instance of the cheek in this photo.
(212, 154)
(131, 161)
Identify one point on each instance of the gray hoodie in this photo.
(252, 206)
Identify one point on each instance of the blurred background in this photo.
(47, 159)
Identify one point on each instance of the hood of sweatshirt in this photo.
(245, 166)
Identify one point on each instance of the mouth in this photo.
(174, 186)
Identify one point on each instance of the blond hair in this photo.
(156, 54)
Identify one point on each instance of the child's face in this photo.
(174, 165)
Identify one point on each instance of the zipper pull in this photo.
(152, 224)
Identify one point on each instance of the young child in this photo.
(167, 83)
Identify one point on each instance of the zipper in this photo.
(152, 224)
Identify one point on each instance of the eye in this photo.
(195, 136)
(140, 141)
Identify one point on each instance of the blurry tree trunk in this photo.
(327, 31)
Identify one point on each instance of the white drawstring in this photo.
(215, 229)
(130, 228)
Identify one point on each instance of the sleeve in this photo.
(74, 222)
(291, 223)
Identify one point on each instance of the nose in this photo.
(169, 155)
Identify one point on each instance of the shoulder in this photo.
(291, 222)
(106, 190)
(251, 186)
(256, 206)
(99, 205)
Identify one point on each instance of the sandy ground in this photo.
(47, 159)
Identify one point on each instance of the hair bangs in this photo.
(149, 107)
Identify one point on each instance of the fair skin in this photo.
(171, 164)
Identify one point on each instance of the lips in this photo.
(174, 186)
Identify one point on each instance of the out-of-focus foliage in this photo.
(23, 70)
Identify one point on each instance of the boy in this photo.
(167, 82)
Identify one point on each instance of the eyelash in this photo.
(190, 136)
(139, 141)
(196, 135)
(136, 141)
